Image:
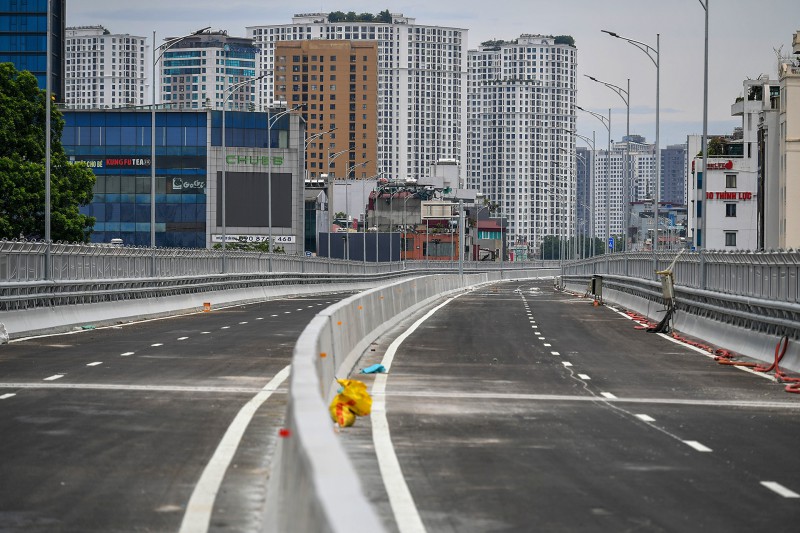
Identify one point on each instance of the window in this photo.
(730, 181)
(730, 210)
(730, 238)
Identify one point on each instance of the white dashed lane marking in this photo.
(54, 377)
(645, 418)
(126, 354)
(156, 345)
(95, 363)
(182, 338)
(584, 376)
(608, 395)
(7, 396)
(566, 363)
(697, 446)
(780, 489)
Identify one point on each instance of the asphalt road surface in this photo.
(109, 430)
(519, 408)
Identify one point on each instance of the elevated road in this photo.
(111, 429)
(518, 408)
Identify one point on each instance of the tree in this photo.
(22, 166)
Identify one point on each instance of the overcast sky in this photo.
(743, 36)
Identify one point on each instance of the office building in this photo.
(23, 40)
(105, 70)
(197, 72)
(421, 86)
(337, 83)
(189, 164)
(521, 112)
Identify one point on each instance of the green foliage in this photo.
(715, 146)
(22, 166)
(339, 16)
(262, 247)
(565, 39)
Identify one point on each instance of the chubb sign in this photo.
(254, 160)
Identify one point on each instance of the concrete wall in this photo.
(314, 486)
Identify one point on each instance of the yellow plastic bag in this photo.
(353, 399)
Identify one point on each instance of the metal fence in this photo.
(27, 261)
(764, 275)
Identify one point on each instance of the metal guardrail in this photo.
(759, 315)
(773, 276)
(25, 262)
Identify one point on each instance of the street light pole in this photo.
(270, 121)
(607, 123)
(164, 47)
(227, 94)
(626, 169)
(330, 179)
(704, 184)
(655, 56)
(347, 199)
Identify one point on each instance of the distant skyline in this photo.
(743, 36)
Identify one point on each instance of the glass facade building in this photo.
(23, 39)
(116, 144)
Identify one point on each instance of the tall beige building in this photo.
(789, 167)
(337, 81)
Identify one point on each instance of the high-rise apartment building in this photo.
(521, 112)
(421, 86)
(673, 174)
(199, 70)
(23, 39)
(337, 83)
(105, 70)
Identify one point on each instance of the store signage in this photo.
(240, 238)
(115, 162)
(727, 165)
(284, 239)
(188, 184)
(741, 195)
(256, 160)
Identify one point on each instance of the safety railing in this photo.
(764, 275)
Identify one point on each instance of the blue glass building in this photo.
(23, 39)
(189, 161)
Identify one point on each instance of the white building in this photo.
(789, 132)
(422, 73)
(197, 72)
(521, 98)
(641, 165)
(104, 69)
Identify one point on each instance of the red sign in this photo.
(741, 195)
(728, 165)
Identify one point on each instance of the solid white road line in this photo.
(201, 504)
(54, 377)
(645, 418)
(95, 363)
(405, 510)
(697, 446)
(780, 489)
(7, 396)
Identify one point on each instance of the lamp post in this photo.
(47, 134)
(625, 94)
(704, 148)
(591, 143)
(227, 94)
(347, 198)
(655, 56)
(270, 121)
(163, 47)
(330, 179)
(607, 123)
